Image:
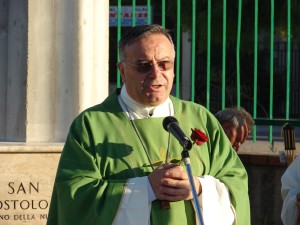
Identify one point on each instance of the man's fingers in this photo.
(168, 166)
(174, 194)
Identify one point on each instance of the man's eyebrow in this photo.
(143, 61)
(166, 57)
(150, 61)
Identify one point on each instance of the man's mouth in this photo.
(154, 86)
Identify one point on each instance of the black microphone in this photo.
(171, 125)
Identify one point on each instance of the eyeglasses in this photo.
(146, 67)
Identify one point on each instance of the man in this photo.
(113, 166)
(290, 192)
(237, 124)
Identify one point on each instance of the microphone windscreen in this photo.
(167, 121)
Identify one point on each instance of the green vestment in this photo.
(102, 151)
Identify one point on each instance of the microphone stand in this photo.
(186, 159)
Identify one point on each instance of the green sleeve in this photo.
(228, 168)
(81, 195)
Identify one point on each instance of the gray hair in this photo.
(236, 115)
(247, 116)
(229, 115)
(138, 32)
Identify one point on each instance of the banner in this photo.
(141, 15)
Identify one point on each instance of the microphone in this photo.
(171, 125)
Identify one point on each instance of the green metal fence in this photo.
(189, 14)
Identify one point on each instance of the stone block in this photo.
(26, 183)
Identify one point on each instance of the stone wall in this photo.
(26, 182)
(53, 65)
(264, 172)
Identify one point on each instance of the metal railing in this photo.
(229, 82)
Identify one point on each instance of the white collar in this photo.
(135, 110)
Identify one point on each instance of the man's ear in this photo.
(122, 71)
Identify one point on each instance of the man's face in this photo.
(147, 69)
(230, 131)
(237, 136)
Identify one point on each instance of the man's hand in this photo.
(170, 182)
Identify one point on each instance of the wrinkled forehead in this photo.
(229, 125)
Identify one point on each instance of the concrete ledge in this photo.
(21, 147)
(263, 147)
(270, 160)
(265, 153)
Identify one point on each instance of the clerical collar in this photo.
(135, 110)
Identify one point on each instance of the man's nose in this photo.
(155, 72)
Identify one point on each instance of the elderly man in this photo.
(237, 124)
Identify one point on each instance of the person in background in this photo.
(237, 124)
(290, 192)
(119, 165)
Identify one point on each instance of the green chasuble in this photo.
(103, 151)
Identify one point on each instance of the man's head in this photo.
(237, 123)
(147, 64)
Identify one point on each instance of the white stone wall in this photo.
(53, 65)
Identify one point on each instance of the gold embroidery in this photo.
(162, 152)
